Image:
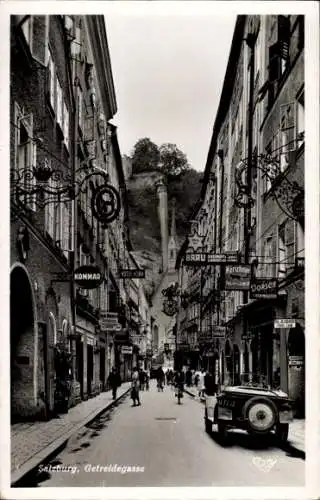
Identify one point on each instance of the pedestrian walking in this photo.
(147, 379)
(209, 384)
(201, 386)
(114, 380)
(141, 379)
(160, 379)
(135, 388)
(188, 377)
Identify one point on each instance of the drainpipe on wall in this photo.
(251, 40)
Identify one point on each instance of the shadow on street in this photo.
(75, 443)
(249, 442)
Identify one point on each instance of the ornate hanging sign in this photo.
(88, 277)
(105, 204)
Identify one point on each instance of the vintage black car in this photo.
(258, 410)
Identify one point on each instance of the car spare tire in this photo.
(261, 414)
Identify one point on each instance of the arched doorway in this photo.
(23, 345)
(296, 367)
(236, 365)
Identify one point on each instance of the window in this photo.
(52, 82)
(66, 228)
(286, 247)
(279, 56)
(268, 265)
(27, 28)
(66, 125)
(299, 240)
(49, 214)
(300, 118)
(271, 168)
(59, 104)
(80, 107)
(287, 133)
(25, 155)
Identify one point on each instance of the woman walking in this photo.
(135, 388)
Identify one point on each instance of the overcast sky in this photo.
(168, 72)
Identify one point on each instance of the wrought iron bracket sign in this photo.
(170, 303)
(105, 204)
(88, 277)
(42, 185)
(287, 193)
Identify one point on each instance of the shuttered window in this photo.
(25, 157)
(287, 133)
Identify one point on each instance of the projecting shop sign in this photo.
(264, 288)
(132, 273)
(284, 323)
(238, 277)
(126, 349)
(219, 332)
(88, 276)
(204, 258)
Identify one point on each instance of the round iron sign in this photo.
(88, 276)
(105, 204)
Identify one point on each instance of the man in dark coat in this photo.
(188, 377)
(210, 386)
(114, 381)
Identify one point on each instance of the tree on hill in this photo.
(145, 156)
(167, 158)
(173, 162)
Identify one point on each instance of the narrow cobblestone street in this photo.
(169, 443)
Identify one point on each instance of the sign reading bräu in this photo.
(88, 277)
(264, 288)
(204, 258)
(238, 277)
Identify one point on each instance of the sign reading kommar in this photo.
(204, 258)
(88, 276)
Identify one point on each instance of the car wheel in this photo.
(282, 432)
(261, 415)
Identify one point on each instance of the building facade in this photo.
(63, 150)
(251, 212)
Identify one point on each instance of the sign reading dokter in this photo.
(264, 288)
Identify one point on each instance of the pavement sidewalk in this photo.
(33, 442)
(296, 438)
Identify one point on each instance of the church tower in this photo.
(172, 244)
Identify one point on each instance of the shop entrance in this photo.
(22, 345)
(90, 369)
(296, 367)
(236, 365)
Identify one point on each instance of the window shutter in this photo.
(274, 63)
(290, 243)
(284, 36)
(39, 38)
